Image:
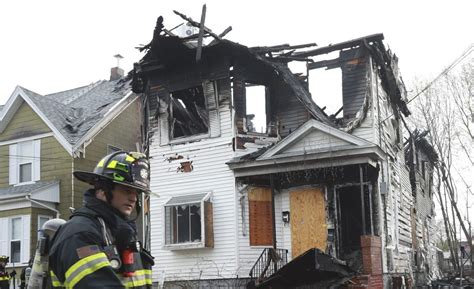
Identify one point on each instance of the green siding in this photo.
(24, 123)
(56, 164)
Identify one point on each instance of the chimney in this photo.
(116, 72)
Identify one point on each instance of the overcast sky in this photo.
(49, 46)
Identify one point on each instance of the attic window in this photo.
(256, 118)
(326, 90)
(339, 83)
(188, 113)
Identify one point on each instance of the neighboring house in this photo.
(43, 139)
(420, 157)
(314, 187)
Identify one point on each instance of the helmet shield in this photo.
(126, 168)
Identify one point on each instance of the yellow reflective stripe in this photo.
(4, 278)
(141, 278)
(112, 164)
(101, 163)
(129, 159)
(54, 280)
(84, 267)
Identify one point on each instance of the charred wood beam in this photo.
(201, 33)
(196, 24)
(331, 63)
(266, 49)
(291, 58)
(341, 45)
(224, 33)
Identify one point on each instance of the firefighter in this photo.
(4, 276)
(98, 247)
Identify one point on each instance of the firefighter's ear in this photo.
(100, 194)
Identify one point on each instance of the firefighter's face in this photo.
(124, 199)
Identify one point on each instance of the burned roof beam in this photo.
(292, 58)
(330, 63)
(201, 33)
(224, 33)
(197, 24)
(341, 45)
(276, 48)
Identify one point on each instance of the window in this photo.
(25, 172)
(42, 220)
(188, 221)
(256, 118)
(338, 82)
(15, 240)
(260, 217)
(24, 162)
(188, 112)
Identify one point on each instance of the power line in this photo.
(446, 70)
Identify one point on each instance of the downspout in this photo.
(28, 197)
(72, 181)
(362, 199)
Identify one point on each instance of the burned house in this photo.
(241, 205)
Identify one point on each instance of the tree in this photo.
(445, 108)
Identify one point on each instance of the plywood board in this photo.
(260, 217)
(308, 220)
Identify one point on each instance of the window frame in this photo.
(39, 218)
(19, 165)
(204, 241)
(18, 158)
(10, 237)
(211, 100)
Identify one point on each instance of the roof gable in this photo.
(72, 118)
(313, 136)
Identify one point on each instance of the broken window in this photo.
(188, 220)
(188, 112)
(339, 83)
(256, 117)
(326, 90)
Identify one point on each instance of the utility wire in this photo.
(446, 70)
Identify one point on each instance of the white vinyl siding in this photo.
(210, 174)
(24, 162)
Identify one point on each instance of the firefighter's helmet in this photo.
(126, 168)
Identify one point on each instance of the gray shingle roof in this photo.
(74, 112)
(19, 191)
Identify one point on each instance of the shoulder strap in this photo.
(105, 232)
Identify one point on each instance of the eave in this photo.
(333, 157)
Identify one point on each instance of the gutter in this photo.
(28, 197)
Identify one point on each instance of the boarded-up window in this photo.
(260, 217)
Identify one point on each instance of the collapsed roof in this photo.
(167, 52)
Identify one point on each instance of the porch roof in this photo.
(313, 145)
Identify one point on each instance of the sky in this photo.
(53, 45)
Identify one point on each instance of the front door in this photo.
(308, 220)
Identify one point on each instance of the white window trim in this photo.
(6, 239)
(15, 161)
(209, 107)
(10, 236)
(42, 216)
(19, 164)
(187, 245)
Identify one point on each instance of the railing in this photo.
(270, 261)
